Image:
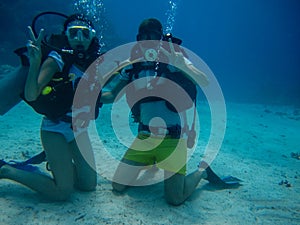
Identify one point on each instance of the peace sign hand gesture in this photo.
(175, 58)
(34, 46)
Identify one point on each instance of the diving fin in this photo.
(214, 179)
(28, 164)
(21, 166)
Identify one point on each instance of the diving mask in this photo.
(80, 33)
(149, 36)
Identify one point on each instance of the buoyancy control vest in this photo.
(56, 98)
(178, 82)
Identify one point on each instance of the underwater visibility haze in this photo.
(252, 46)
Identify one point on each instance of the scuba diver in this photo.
(49, 88)
(161, 139)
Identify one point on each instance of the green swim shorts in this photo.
(166, 153)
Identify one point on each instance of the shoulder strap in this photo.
(134, 71)
(68, 62)
(138, 67)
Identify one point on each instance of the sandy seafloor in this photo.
(257, 148)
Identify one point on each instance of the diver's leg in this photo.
(84, 163)
(61, 185)
(126, 174)
(179, 187)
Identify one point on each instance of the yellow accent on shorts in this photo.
(167, 153)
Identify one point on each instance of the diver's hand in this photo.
(34, 46)
(175, 58)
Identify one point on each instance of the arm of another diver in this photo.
(110, 95)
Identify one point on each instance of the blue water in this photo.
(252, 46)
(253, 49)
